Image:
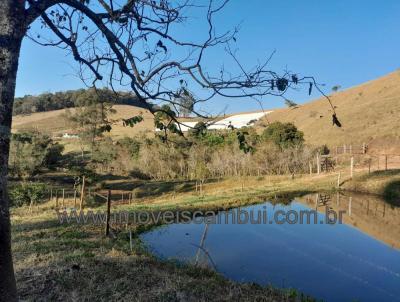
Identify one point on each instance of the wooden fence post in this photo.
(338, 180)
(318, 164)
(51, 194)
(386, 162)
(82, 193)
(350, 206)
(351, 167)
(63, 198)
(130, 240)
(75, 199)
(310, 166)
(57, 199)
(108, 213)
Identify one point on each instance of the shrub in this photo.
(27, 193)
(284, 135)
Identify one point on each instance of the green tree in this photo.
(284, 135)
(31, 151)
(91, 116)
(27, 194)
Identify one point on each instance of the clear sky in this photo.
(340, 42)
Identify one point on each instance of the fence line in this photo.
(352, 149)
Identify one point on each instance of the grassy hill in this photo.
(369, 113)
(53, 122)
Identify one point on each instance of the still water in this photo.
(358, 260)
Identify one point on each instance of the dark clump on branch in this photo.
(281, 84)
(335, 120)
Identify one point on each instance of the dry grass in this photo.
(72, 262)
(383, 183)
(368, 112)
(53, 123)
(76, 262)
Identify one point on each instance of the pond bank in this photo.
(54, 261)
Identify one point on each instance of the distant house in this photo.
(69, 136)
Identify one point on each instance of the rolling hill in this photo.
(368, 112)
(54, 124)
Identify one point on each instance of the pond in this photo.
(356, 260)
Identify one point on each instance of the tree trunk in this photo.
(12, 29)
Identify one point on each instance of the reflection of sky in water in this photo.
(330, 262)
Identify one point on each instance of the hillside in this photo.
(53, 122)
(368, 112)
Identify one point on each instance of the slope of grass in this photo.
(369, 113)
(53, 123)
(383, 183)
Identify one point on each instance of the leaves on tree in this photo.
(243, 144)
(290, 103)
(132, 121)
(105, 128)
(161, 45)
(335, 121)
(282, 84)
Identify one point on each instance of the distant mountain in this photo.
(369, 113)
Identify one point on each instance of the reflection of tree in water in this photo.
(203, 257)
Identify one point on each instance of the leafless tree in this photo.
(131, 43)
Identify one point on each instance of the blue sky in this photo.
(339, 42)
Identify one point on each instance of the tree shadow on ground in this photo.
(142, 188)
(378, 174)
(391, 193)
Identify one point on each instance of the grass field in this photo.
(53, 261)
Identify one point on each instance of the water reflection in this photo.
(368, 213)
(358, 260)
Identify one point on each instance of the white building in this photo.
(237, 121)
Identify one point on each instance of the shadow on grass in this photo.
(156, 188)
(391, 193)
(378, 174)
